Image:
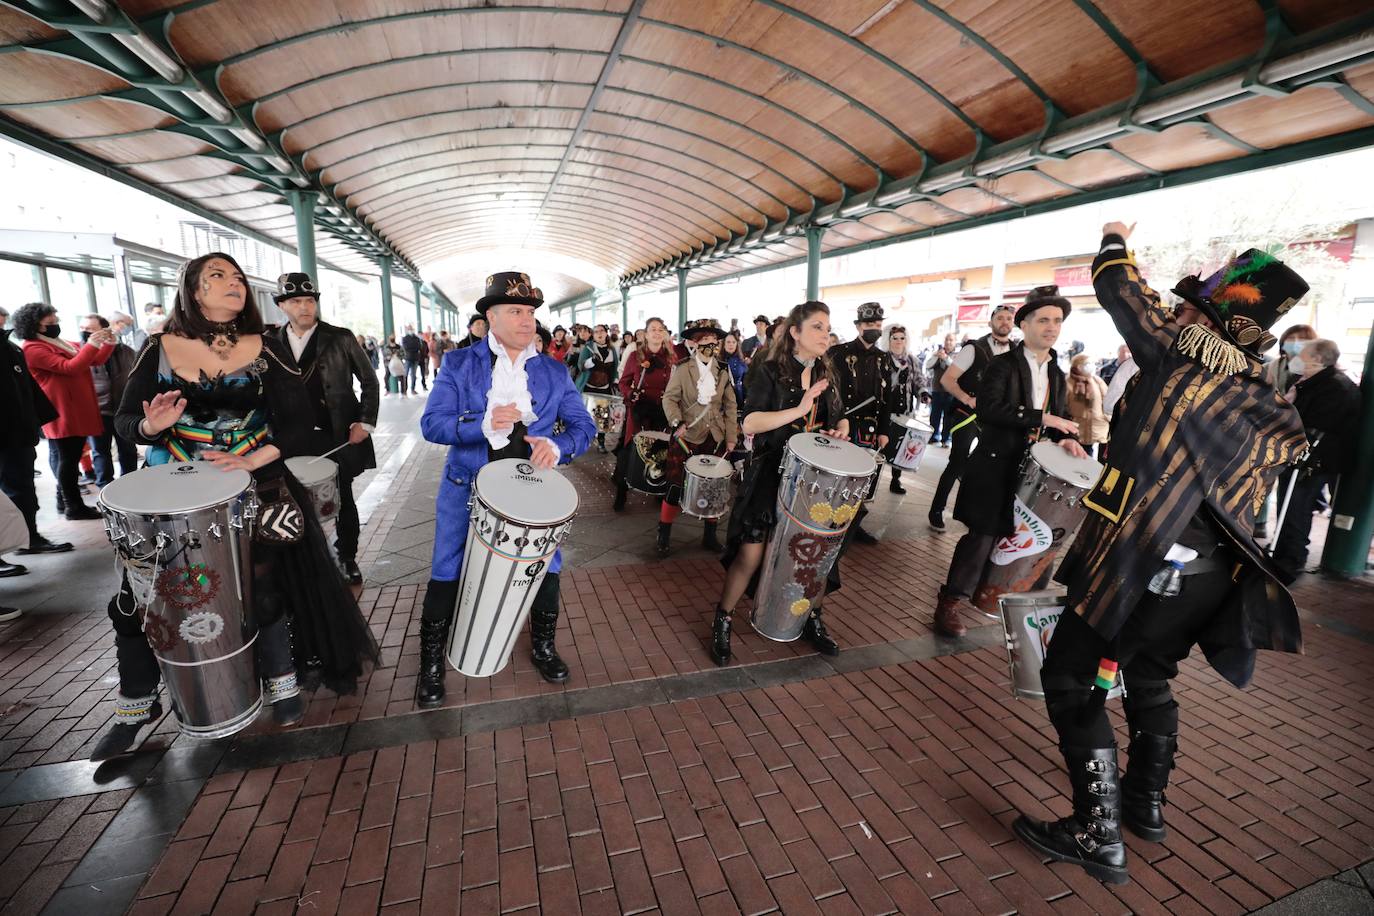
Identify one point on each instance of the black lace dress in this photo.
(243, 410)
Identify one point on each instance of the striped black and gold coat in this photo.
(1201, 428)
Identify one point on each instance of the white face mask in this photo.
(1296, 366)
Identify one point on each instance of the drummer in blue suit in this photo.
(496, 399)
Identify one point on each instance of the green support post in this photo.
(624, 309)
(303, 205)
(814, 234)
(681, 299)
(419, 305)
(1352, 516)
(388, 319)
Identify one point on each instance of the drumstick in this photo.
(326, 454)
(858, 405)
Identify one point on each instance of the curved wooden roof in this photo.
(643, 135)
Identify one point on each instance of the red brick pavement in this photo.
(880, 791)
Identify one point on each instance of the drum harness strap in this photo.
(251, 432)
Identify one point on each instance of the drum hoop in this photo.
(209, 661)
(477, 497)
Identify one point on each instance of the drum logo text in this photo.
(1040, 627)
(1032, 536)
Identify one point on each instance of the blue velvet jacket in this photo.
(453, 417)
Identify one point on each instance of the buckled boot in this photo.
(947, 622)
(665, 533)
(137, 704)
(1090, 837)
(1142, 788)
(543, 627)
(429, 687)
(720, 637)
(282, 692)
(708, 536)
(815, 633)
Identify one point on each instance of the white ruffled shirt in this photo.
(706, 381)
(509, 385)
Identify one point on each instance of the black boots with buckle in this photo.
(1090, 837)
(720, 637)
(429, 688)
(1142, 788)
(815, 633)
(543, 626)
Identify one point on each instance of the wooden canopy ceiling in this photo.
(641, 136)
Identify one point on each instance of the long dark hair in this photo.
(187, 320)
(783, 348)
(667, 351)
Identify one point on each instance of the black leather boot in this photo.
(720, 637)
(621, 492)
(543, 626)
(665, 532)
(1142, 788)
(137, 704)
(708, 537)
(895, 484)
(1090, 837)
(429, 688)
(815, 633)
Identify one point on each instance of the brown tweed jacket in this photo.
(1190, 436)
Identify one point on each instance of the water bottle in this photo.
(1168, 582)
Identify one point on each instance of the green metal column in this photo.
(388, 319)
(1352, 517)
(303, 205)
(419, 305)
(681, 299)
(624, 309)
(813, 262)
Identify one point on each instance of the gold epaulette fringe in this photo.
(1210, 349)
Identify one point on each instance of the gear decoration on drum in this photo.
(188, 587)
(822, 513)
(160, 633)
(806, 548)
(845, 514)
(200, 628)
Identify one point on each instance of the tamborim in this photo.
(823, 483)
(1028, 619)
(706, 486)
(648, 458)
(520, 515)
(183, 533)
(1047, 511)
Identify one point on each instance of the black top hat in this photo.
(869, 311)
(1246, 297)
(289, 286)
(703, 330)
(510, 287)
(763, 318)
(476, 318)
(1040, 297)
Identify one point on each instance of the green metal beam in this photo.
(681, 299)
(388, 316)
(303, 206)
(814, 234)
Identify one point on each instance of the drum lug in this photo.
(1056, 496)
(162, 541)
(190, 540)
(217, 531)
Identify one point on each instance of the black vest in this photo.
(313, 385)
(982, 355)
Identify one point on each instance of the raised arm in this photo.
(50, 359)
(1134, 307)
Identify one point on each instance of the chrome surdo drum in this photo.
(1047, 511)
(1028, 619)
(648, 463)
(183, 534)
(823, 483)
(520, 515)
(706, 486)
(607, 410)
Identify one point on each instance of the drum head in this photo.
(649, 434)
(709, 466)
(310, 471)
(832, 455)
(521, 492)
(1081, 472)
(174, 488)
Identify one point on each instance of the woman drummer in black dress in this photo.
(788, 391)
(643, 379)
(212, 387)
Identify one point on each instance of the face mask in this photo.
(1296, 366)
(51, 331)
(872, 335)
(1293, 347)
(85, 336)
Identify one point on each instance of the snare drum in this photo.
(1047, 511)
(183, 533)
(912, 447)
(520, 515)
(1028, 620)
(823, 484)
(608, 412)
(706, 486)
(647, 471)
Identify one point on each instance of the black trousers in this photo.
(64, 458)
(101, 457)
(958, 457)
(16, 481)
(1155, 638)
(441, 599)
(1290, 549)
(346, 524)
(966, 567)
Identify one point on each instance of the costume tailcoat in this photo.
(863, 373)
(453, 417)
(1190, 437)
